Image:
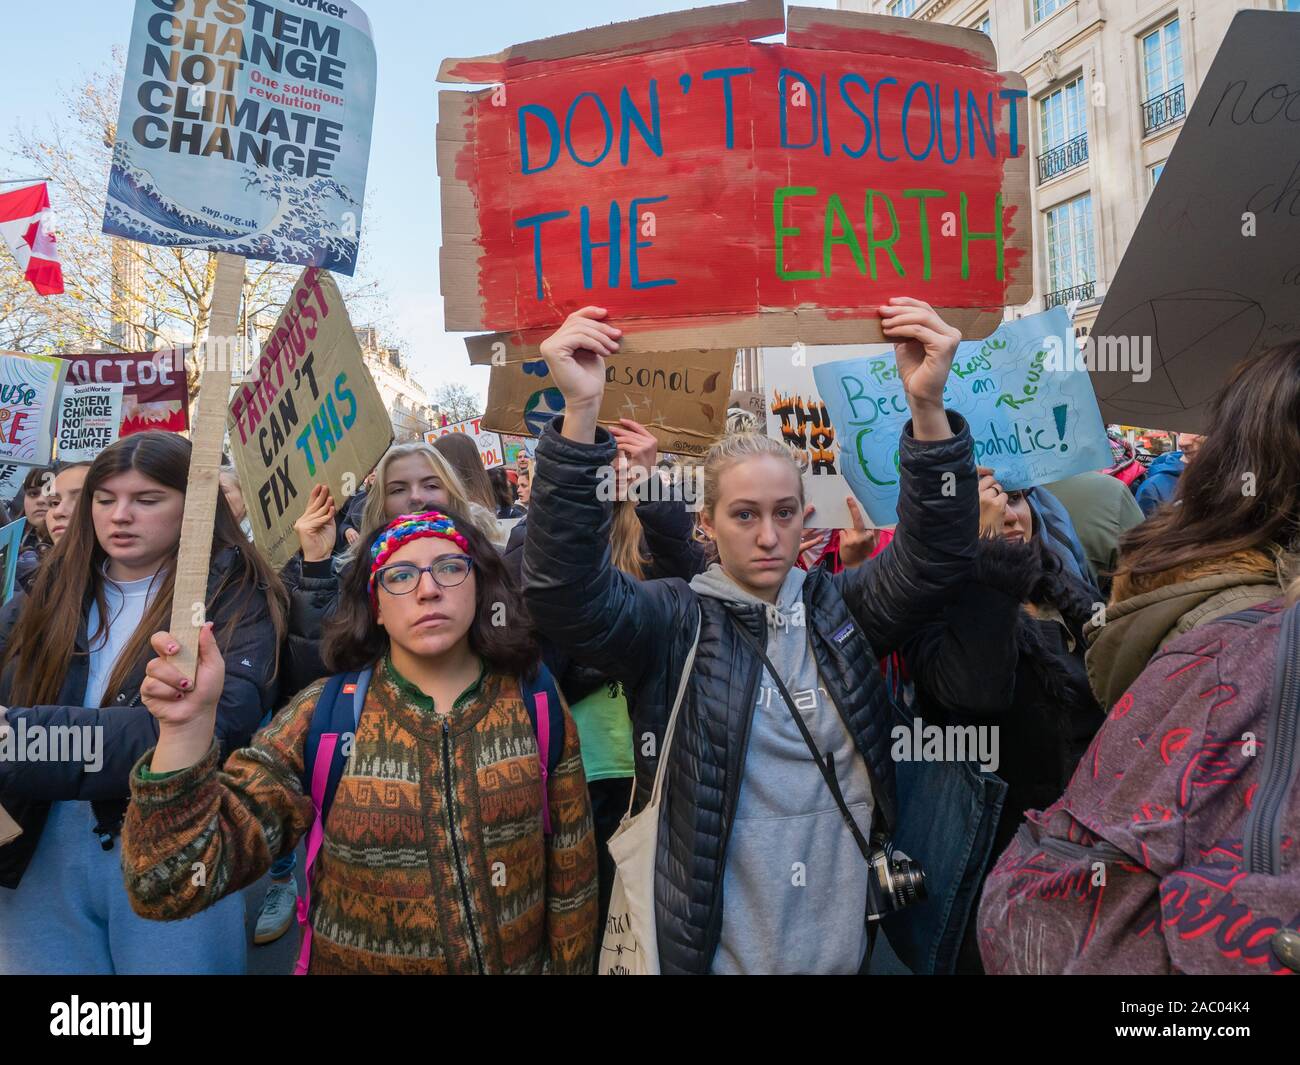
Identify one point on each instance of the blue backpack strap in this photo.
(543, 691)
(320, 718)
(337, 711)
(544, 683)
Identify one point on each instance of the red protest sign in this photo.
(700, 184)
(154, 390)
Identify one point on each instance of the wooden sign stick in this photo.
(194, 557)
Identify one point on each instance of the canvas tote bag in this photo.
(629, 946)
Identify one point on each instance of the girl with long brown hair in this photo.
(74, 664)
(1226, 539)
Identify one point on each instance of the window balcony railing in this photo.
(1082, 293)
(1164, 110)
(1062, 158)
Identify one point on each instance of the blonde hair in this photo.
(373, 514)
(625, 540)
(735, 448)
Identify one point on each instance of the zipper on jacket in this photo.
(1260, 851)
(455, 850)
(714, 927)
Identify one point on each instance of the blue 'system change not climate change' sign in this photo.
(245, 128)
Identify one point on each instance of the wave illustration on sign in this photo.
(300, 230)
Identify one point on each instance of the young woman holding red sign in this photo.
(748, 816)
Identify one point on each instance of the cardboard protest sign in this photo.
(750, 402)
(711, 191)
(11, 538)
(512, 445)
(490, 448)
(29, 388)
(89, 419)
(154, 388)
(308, 414)
(245, 128)
(679, 396)
(1032, 424)
(1212, 273)
(797, 415)
(11, 482)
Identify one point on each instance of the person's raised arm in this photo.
(938, 510)
(187, 813)
(575, 355)
(576, 597)
(924, 346)
(665, 521)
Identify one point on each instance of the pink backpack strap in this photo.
(320, 773)
(542, 703)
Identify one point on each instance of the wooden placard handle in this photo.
(193, 559)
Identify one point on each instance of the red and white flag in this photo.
(26, 224)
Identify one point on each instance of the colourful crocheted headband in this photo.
(408, 527)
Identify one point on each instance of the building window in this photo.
(985, 25)
(1071, 267)
(1063, 130)
(1164, 101)
(903, 8)
(1154, 171)
(1043, 8)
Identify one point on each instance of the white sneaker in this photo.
(277, 913)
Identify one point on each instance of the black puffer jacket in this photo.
(128, 729)
(313, 589)
(640, 632)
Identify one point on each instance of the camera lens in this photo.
(909, 882)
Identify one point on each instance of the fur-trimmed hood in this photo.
(1262, 564)
(1147, 611)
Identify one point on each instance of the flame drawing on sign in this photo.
(806, 427)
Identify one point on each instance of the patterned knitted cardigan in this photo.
(421, 870)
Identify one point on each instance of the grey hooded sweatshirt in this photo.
(794, 888)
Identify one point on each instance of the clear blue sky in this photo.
(46, 50)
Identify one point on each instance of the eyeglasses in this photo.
(402, 577)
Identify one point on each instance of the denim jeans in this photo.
(282, 868)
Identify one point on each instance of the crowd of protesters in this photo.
(466, 681)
